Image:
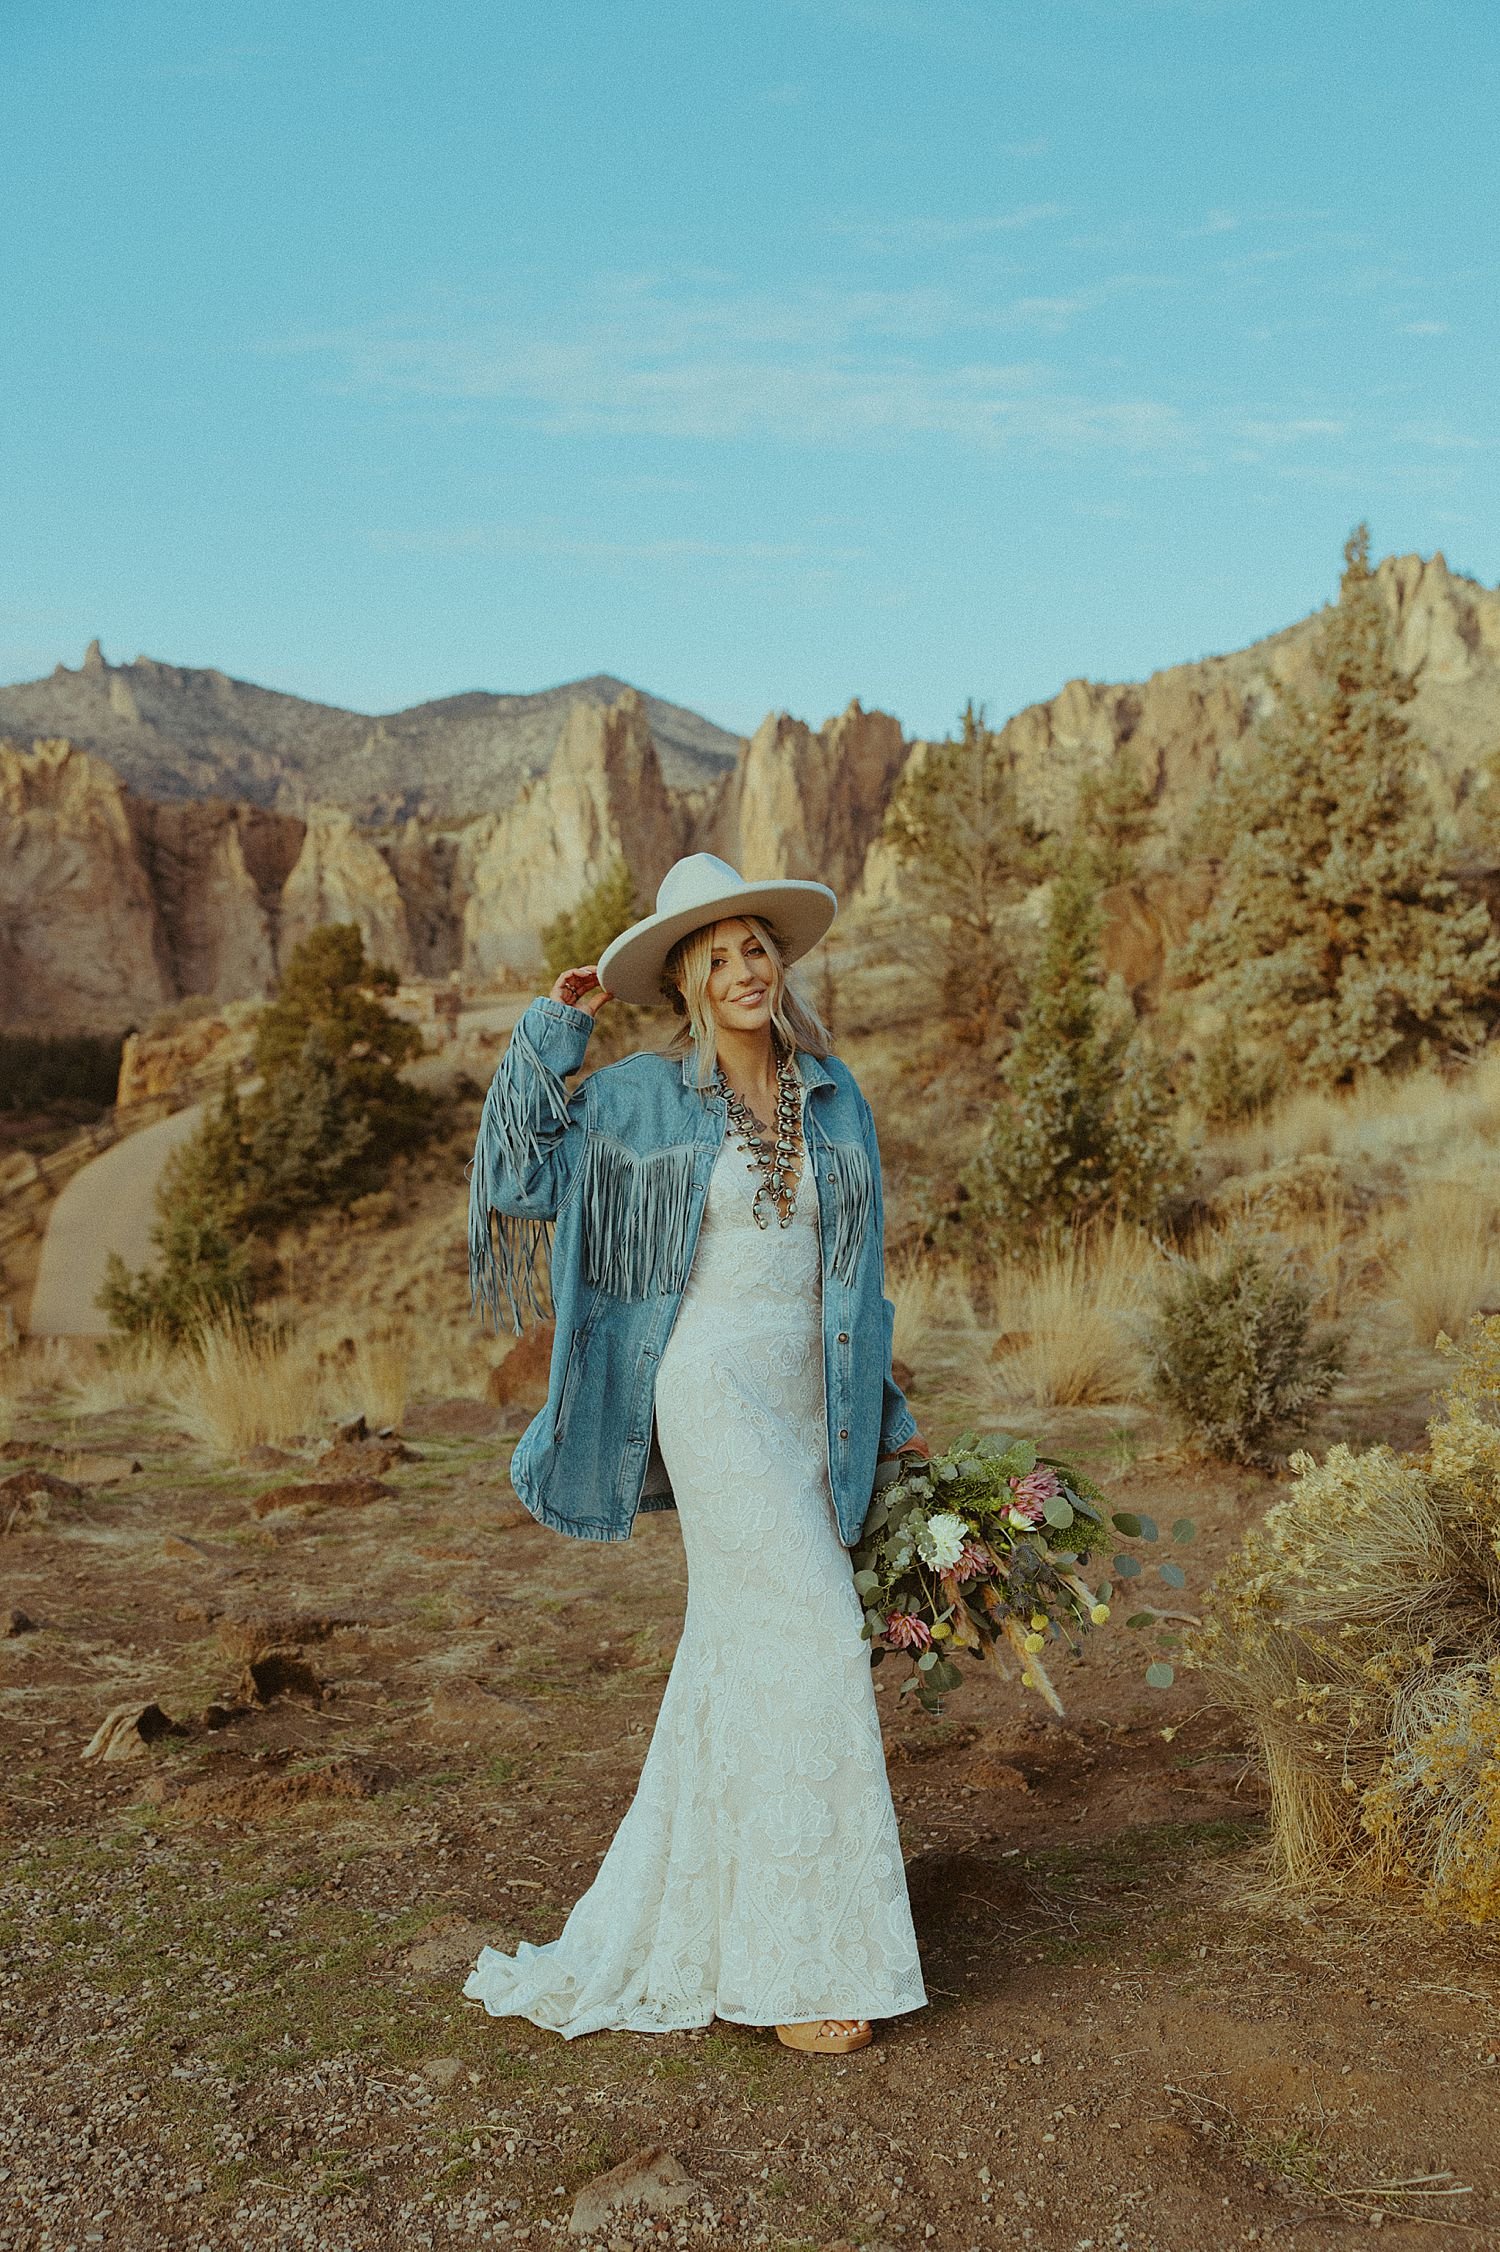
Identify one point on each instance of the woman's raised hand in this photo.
(581, 989)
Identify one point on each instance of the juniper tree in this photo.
(955, 824)
(1086, 1127)
(1334, 934)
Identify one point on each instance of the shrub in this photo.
(1228, 1085)
(1231, 1351)
(1358, 1634)
(205, 1267)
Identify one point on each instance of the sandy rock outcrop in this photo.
(808, 802)
(79, 938)
(341, 876)
(604, 796)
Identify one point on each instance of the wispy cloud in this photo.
(1424, 328)
(825, 367)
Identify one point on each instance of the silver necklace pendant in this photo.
(769, 1162)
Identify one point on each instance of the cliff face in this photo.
(805, 803)
(340, 876)
(605, 795)
(80, 939)
(1181, 724)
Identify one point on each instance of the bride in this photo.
(757, 1874)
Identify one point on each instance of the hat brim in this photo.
(631, 965)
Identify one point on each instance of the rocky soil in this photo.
(286, 1742)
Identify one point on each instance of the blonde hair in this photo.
(795, 1023)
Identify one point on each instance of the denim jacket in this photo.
(613, 1180)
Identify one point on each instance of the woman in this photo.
(717, 1278)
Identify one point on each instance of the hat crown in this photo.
(698, 879)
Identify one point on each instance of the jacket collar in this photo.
(809, 1066)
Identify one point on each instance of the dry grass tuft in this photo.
(1073, 1315)
(374, 1380)
(1444, 1269)
(236, 1389)
(126, 1373)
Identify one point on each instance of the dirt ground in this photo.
(406, 1721)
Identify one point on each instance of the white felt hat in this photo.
(701, 889)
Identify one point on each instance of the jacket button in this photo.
(843, 1336)
(843, 1434)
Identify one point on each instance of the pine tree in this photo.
(955, 824)
(1334, 936)
(1087, 1128)
(1115, 814)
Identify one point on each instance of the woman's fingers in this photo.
(581, 989)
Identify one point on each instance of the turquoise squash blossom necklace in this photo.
(773, 1164)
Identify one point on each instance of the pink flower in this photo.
(905, 1631)
(972, 1562)
(1038, 1485)
(1024, 1511)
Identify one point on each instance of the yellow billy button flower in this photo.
(1038, 1621)
(940, 1630)
(1036, 1641)
(1099, 1613)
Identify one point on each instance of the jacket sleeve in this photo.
(530, 1141)
(897, 1423)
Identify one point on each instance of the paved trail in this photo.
(108, 1206)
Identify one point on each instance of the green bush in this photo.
(579, 935)
(330, 1115)
(1232, 1353)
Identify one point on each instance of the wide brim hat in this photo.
(702, 888)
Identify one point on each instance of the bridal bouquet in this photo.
(992, 1543)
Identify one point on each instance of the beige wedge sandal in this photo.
(827, 2036)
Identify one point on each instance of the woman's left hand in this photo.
(916, 1444)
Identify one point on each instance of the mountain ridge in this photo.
(178, 732)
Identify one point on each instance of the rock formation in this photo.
(801, 803)
(79, 934)
(216, 874)
(341, 876)
(113, 903)
(604, 796)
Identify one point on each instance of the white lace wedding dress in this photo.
(757, 1873)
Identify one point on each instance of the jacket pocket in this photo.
(576, 1347)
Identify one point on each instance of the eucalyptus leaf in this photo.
(1184, 1530)
(1126, 1521)
(1141, 1618)
(927, 1661)
(1058, 1512)
(1173, 1574)
(1148, 1528)
(865, 1581)
(1128, 1567)
(1159, 1675)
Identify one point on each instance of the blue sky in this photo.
(764, 352)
